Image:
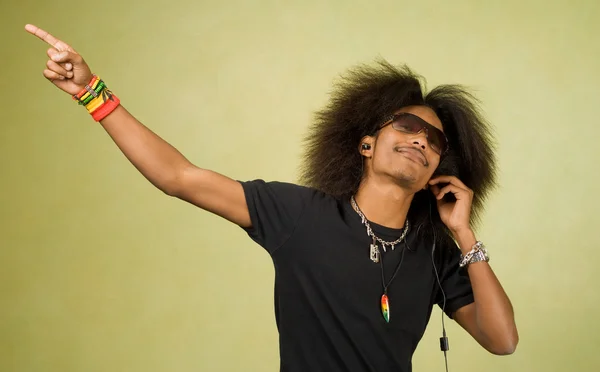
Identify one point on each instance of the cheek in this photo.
(384, 153)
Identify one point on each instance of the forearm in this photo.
(156, 159)
(493, 310)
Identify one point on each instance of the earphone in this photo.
(366, 146)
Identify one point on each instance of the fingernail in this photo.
(68, 66)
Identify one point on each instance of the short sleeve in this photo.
(275, 208)
(455, 282)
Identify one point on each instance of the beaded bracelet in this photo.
(98, 100)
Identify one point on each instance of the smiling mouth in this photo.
(413, 155)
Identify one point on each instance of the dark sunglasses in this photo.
(412, 124)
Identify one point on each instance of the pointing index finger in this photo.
(48, 38)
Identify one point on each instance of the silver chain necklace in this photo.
(374, 253)
(374, 249)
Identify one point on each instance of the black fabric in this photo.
(328, 291)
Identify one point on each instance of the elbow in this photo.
(503, 351)
(174, 184)
(506, 346)
(171, 188)
(178, 183)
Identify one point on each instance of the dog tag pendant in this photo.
(385, 307)
(374, 253)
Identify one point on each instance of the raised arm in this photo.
(164, 166)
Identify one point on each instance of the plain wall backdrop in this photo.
(99, 271)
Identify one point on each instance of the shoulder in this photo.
(285, 190)
(277, 208)
(288, 198)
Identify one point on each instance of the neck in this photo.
(385, 205)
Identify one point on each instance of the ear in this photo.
(365, 147)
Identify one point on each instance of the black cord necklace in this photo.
(385, 300)
(376, 257)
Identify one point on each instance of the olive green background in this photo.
(99, 271)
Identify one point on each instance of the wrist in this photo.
(477, 253)
(465, 239)
(97, 99)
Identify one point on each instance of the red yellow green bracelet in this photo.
(97, 99)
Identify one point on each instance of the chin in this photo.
(408, 181)
(405, 181)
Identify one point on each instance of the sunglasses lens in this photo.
(437, 140)
(412, 124)
(407, 124)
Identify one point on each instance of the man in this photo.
(380, 232)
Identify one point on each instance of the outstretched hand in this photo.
(65, 68)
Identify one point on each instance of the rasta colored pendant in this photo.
(385, 300)
(376, 256)
(385, 307)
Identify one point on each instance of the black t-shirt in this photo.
(328, 291)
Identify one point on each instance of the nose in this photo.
(420, 139)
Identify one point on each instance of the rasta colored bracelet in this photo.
(97, 99)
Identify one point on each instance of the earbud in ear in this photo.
(366, 146)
